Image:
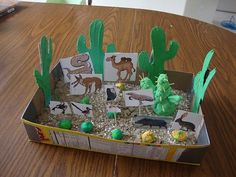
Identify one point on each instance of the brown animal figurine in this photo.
(125, 64)
(87, 83)
(184, 124)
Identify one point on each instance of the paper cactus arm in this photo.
(155, 65)
(199, 85)
(43, 78)
(96, 40)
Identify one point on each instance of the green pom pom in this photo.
(86, 127)
(116, 134)
(85, 100)
(111, 115)
(65, 124)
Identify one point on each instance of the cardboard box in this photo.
(74, 139)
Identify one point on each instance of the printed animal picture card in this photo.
(78, 64)
(188, 121)
(120, 66)
(81, 84)
(112, 108)
(82, 109)
(57, 107)
(111, 92)
(138, 97)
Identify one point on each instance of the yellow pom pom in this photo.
(179, 135)
(148, 137)
(120, 86)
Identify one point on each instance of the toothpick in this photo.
(140, 77)
(115, 118)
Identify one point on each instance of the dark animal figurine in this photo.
(152, 122)
(61, 106)
(111, 94)
(85, 112)
(184, 124)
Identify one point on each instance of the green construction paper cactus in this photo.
(202, 80)
(155, 65)
(96, 40)
(43, 78)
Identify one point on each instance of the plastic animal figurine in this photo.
(185, 124)
(139, 97)
(125, 64)
(61, 106)
(88, 82)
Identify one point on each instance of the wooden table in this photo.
(129, 29)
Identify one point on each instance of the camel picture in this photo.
(78, 64)
(120, 66)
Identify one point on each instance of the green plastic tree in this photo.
(155, 65)
(164, 100)
(43, 78)
(96, 40)
(201, 81)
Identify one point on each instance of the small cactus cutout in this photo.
(96, 40)
(155, 64)
(43, 78)
(201, 81)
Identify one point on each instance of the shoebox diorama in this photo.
(120, 103)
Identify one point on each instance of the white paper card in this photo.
(78, 64)
(111, 92)
(57, 107)
(82, 109)
(120, 66)
(188, 121)
(81, 84)
(138, 97)
(111, 108)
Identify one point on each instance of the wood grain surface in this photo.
(129, 29)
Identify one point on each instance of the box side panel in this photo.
(30, 113)
(150, 152)
(182, 81)
(111, 147)
(69, 139)
(32, 132)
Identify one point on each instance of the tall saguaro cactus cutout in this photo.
(202, 80)
(96, 41)
(155, 65)
(43, 78)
